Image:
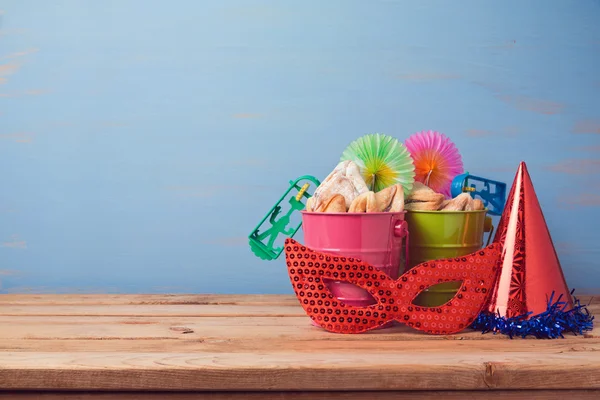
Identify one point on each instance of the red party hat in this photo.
(530, 269)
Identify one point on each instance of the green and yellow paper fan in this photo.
(383, 161)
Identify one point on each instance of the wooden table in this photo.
(218, 347)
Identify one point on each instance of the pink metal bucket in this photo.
(376, 238)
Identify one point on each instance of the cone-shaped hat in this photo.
(530, 269)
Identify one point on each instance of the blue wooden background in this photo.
(141, 141)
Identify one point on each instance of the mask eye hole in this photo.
(349, 293)
(437, 295)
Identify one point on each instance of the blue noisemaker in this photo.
(491, 193)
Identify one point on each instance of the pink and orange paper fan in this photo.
(437, 160)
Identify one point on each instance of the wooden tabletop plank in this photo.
(370, 395)
(145, 299)
(236, 330)
(24, 329)
(156, 310)
(343, 370)
(157, 345)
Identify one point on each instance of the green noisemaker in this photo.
(262, 239)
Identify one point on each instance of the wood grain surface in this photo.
(239, 343)
(380, 395)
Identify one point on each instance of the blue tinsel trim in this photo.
(550, 324)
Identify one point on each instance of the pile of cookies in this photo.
(423, 198)
(345, 190)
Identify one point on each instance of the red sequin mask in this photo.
(307, 268)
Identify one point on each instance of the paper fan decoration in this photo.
(436, 159)
(383, 161)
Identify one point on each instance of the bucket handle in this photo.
(401, 230)
(488, 226)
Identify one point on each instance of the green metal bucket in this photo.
(444, 234)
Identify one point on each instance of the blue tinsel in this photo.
(550, 324)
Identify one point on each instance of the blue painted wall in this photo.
(141, 141)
